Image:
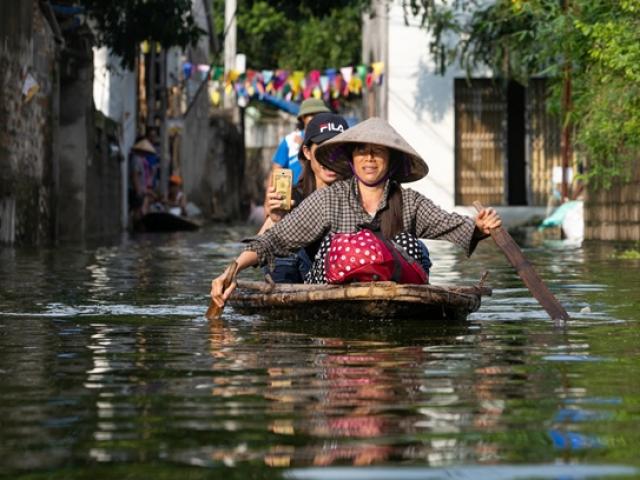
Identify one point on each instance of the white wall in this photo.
(114, 94)
(421, 105)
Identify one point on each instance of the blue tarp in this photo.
(289, 107)
(557, 217)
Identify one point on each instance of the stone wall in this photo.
(27, 128)
(59, 180)
(614, 214)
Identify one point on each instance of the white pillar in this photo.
(230, 24)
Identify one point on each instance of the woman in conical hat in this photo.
(380, 159)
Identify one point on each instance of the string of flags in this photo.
(294, 86)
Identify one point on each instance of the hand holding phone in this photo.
(282, 181)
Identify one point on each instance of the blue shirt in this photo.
(286, 155)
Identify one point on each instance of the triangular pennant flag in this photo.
(331, 74)
(369, 80)
(232, 75)
(314, 77)
(346, 73)
(217, 74)
(267, 75)
(295, 80)
(378, 68)
(324, 83)
(355, 85)
(215, 97)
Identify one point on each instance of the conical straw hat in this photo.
(144, 145)
(335, 153)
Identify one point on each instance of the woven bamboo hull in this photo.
(382, 300)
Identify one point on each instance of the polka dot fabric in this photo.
(317, 274)
(362, 256)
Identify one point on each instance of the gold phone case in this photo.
(282, 180)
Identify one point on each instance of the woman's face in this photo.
(323, 175)
(370, 162)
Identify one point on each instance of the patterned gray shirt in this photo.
(337, 208)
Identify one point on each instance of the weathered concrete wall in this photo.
(614, 214)
(104, 188)
(76, 135)
(212, 165)
(27, 129)
(57, 175)
(115, 96)
(262, 137)
(225, 170)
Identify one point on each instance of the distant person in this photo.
(286, 155)
(176, 199)
(154, 158)
(141, 189)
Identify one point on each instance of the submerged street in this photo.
(108, 368)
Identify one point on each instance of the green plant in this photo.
(122, 25)
(595, 43)
(302, 35)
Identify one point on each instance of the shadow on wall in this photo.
(223, 181)
(434, 93)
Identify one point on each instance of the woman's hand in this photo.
(219, 294)
(487, 219)
(272, 205)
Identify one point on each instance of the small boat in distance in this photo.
(165, 222)
(371, 300)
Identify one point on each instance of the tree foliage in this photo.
(121, 25)
(301, 35)
(598, 41)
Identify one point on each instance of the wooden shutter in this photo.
(480, 119)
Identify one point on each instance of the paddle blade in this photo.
(214, 311)
(527, 273)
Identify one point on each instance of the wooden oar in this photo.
(214, 311)
(527, 273)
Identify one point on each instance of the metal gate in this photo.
(480, 120)
(543, 143)
(480, 141)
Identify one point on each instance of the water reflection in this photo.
(105, 359)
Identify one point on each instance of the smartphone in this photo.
(282, 180)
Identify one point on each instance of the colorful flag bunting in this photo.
(330, 84)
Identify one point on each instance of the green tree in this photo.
(299, 35)
(122, 25)
(595, 42)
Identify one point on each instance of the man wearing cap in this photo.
(286, 155)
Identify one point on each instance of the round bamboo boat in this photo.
(380, 300)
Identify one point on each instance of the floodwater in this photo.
(108, 369)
